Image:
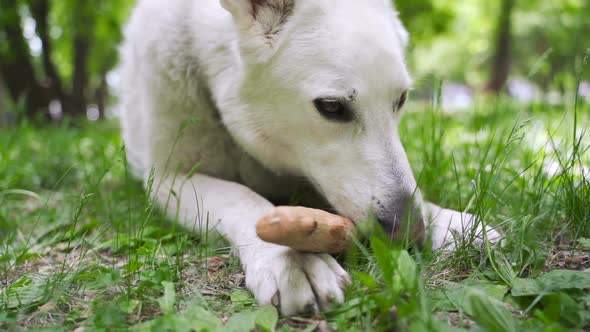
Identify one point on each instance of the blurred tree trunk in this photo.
(40, 12)
(3, 110)
(16, 64)
(101, 95)
(503, 50)
(83, 21)
(80, 78)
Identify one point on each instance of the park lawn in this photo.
(83, 248)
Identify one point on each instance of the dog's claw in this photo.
(345, 281)
(330, 299)
(276, 300)
(311, 308)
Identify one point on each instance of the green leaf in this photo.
(563, 308)
(8, 319)
(418, 326)
(202, 320)
(195, 318)
(242, 322)
(384, 258)
(367, 280)
(440, 300)
(553, 281)
(267, 319)
(565, 279)
(492, 289)
(453, 297)
(241, 297)
(490, 313)
(168, 300)
(408, 270)
(525, 287)
(22, 293)
(480, 300)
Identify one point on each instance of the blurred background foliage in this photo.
(58, 56)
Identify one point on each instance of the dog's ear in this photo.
(260, 23)
(265, 16)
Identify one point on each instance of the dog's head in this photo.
(325, 82)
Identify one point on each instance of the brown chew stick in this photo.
(306, 230)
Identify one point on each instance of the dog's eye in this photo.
(333, 109)
(402, 101)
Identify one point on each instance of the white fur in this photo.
(227, 89)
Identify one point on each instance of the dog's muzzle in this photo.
(402, 220)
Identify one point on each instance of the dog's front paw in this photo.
(448, 227)
(295, 282)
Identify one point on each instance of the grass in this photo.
(83, 248)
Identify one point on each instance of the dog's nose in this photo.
(402, 220)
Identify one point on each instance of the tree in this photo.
(500, 68)
(425, 19)
(16, 63)
(78, 49)
(83, 20)
(3, 115)
(40, 12)
(551, 42)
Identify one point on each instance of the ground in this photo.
(82, 247)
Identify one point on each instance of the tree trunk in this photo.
(15, 62)
(40, 12)
(80, 77)
(502, 57)
(3, 110)
(101, 95)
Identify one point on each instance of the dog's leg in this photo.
(292, 281)
(445, 226)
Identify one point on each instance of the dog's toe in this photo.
(296, 283)
(296, 293)
(325, 281)
(262, 284)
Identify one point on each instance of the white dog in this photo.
(257, 94)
